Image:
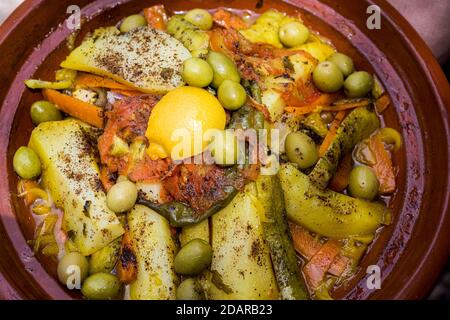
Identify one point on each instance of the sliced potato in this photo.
(196, 231)
(240, 255)
(71, 174)
(266, 27)
(145, 59)
(274, 103)
(155, 251)
(151, 191)
(319, 50)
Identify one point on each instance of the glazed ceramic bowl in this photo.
(410, 252)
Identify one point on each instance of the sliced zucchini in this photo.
(277, 235)
(326, 212)
(196, 40)
(357, 126)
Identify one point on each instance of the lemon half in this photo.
(179, 120)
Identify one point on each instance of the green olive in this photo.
(223, 67)
(301, 149)
(392, 137)
(101, 286)
(122, 196)
(66, 75)
(224, 147)
(293, 34)
(132, 22)
(189, 289)
(193, 258)
(26, 163)
(200, 18)
(327, 117)
(343, 62)
(358, 84)
(328, 77)
(197, 72)
(72, 268)
(363, 183)
(231, 95)
(43, 111)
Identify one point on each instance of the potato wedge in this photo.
(144, 59)
(71, 175)
(155, 251)
(240, 254)
(196, 231)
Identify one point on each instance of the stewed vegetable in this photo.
(65, 75)
(208, 154)
(293, 34)
(363, 183)
(200, 18)
(328, 77)
(42, 111)
(231, 95)
(101, 286)
(392, 137)
(189, 289)
(224, 148)
(197, 72)
(193, 258)
(26, 163)
(132, 22)
(343, 62)
(301, 150)
(223, 67)
(122, 196)
(358, 84)
(72, 267)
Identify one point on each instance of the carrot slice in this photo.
(30, 191)
(318, 108)
(301, 110)
(308, 246)
(316, 269)
(91, 81)
(383, 167)
(84, 111)
(326, 99)
(127, 266)
(340, 180)
(304, 242)
(156, 17)
(128, 93)
(332, 132)
(382, 103)
(229, 20)
(340, 265)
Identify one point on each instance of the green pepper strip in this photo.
(181, 215)
(40, 84)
